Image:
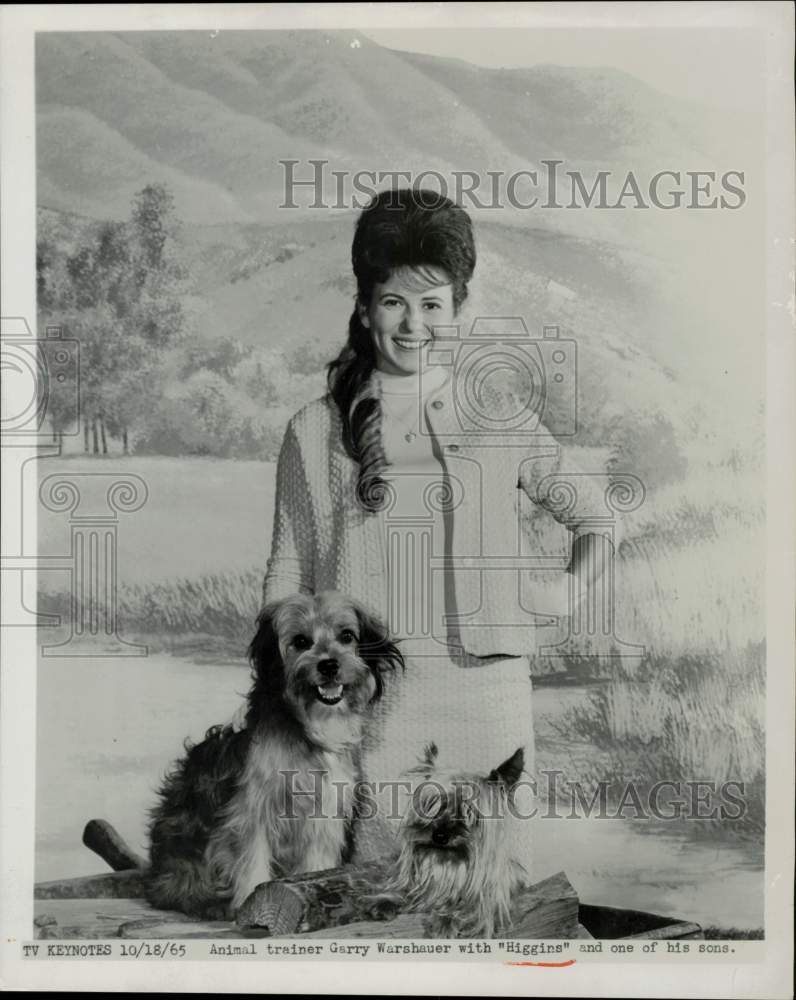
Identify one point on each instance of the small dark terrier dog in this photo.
(246, 807)
(455, 861)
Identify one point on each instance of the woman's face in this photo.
(401, 317)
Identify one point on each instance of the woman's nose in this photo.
(413, 321)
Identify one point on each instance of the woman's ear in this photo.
(362, 312)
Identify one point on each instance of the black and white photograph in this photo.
(398, 492)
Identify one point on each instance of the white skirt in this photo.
(478, 712)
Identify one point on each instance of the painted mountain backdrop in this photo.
(206, 314)
(651, 296)
(212, 115)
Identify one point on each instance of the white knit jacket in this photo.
(504, 491)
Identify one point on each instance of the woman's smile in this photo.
(411, 345)
(402, 314)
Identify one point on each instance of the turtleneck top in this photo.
(416, 474)
(408, 442)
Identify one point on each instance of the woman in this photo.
(383, 494)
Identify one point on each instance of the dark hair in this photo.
(400, 228)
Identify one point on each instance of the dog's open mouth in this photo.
(329, 694)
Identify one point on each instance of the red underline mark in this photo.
(545, 965)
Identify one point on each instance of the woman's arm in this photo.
(291, 563)
(582, 511)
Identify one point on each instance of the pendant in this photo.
(409, 438)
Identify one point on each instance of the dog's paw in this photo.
(442, 925)
(220, 910)
(381, 905)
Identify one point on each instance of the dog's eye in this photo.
(347, 636)
(301, 642)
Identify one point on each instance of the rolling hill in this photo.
(655, 299)
(220, 110)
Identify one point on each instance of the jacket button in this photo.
(437, 404)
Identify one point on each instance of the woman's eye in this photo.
(432, 305)
(390, 303)
(347, 637)
(301, 642)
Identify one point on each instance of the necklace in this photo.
(405, 419)
(403, 401)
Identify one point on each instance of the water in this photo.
(108, 730)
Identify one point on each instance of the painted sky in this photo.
(716, 66)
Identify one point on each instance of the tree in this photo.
(159, 278)
(119, 291)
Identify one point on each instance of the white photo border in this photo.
(770, 977)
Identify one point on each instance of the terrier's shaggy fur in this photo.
(280, 796)
(454, 860)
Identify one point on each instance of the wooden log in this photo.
(90, 918)
(102, 838)
(676, 930)
(405, 925)
(341, 897)
(110, 885)
(548, 909)
(127, 918)
(178, 927)
(609, 922)
(311, 902)
(74, 932)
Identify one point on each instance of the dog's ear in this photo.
(375, 646)
(265, 656)
(508, 773)
(427, 762)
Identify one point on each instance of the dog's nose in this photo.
(440, 836)
(327, 668)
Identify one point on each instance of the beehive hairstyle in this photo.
(400, 229)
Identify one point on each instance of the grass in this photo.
(215, 611)
(689, 588)
(681, 719)
(223, 604)
(733, 934)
